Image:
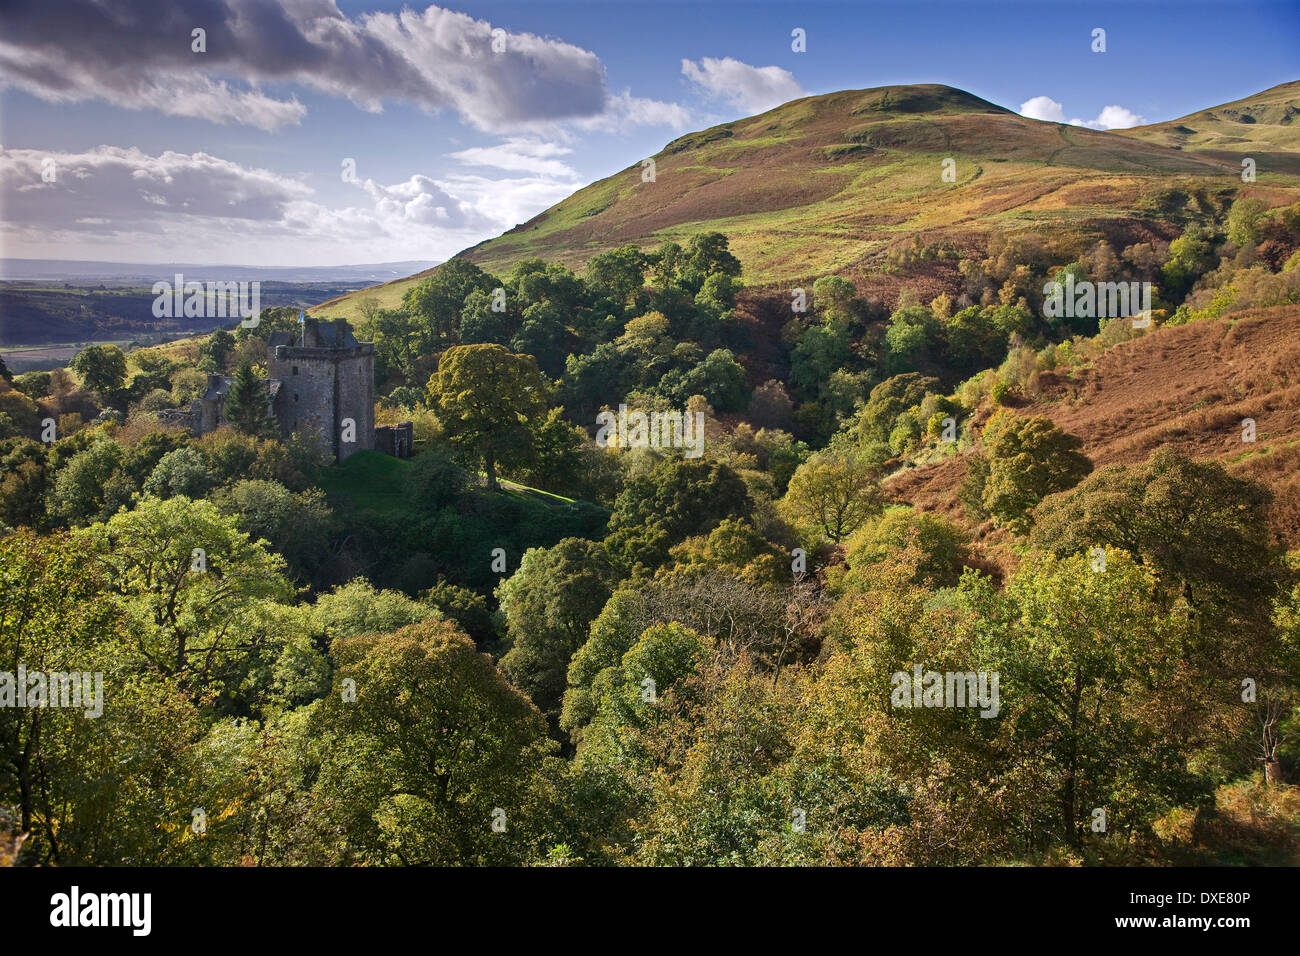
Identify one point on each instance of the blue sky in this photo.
(236, 154)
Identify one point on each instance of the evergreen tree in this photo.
(246, 404)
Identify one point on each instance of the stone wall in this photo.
(356, 398)
(396, 440)
(320, 388)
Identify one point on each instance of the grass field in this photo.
(373, 481)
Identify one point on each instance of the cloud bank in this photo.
(180, 205)
(140, 54)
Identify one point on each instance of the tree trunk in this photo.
(1272, 772)
(490, 466)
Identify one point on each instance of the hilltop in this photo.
(832, 183)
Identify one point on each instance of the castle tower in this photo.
(327, 385)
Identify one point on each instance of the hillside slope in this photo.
(1188, 387)
(828, 184)
(1264, 126)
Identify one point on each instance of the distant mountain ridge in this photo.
(77, 270)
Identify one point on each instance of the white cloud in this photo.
(520, 155)
(508, 202)
(1111, 117)
(751, 88)
(137, 54)
(1043, 108)
(117, 203)
(128, 188)
(624, 111)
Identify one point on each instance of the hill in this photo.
(1264, 126)
(831, 183)
(1188, 387)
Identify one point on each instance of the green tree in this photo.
(679, 498)
(548, 605)
(247, 407)
(93, 485)
(719, 378)
(218, 347)
(1093, 679)
(470, 610)
(833, 297)
(487, 398)
(1244, 220)
(1204, 531)
(180, 472)
(52, 613)
(974, 340)
(102, 368)
(357, 608)
(832, 494)
(911, 334)
(194, 589)
(706, 254)
(618, 274)
(821, 350)
(434, 749)
(35, 385)
(1190, 256)
(1028, 459)
(717, 296)
(24, 480)
(299, 527)
(435, 303)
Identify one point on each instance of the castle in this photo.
(324, 383)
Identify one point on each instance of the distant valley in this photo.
(49, 307)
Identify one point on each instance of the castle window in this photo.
(295, 370)
(295, 396)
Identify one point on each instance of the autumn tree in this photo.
(832, 494)
(1027, 459)
(487, 398)
(939, 546)
(432, 749)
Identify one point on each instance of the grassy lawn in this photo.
(373, 481)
